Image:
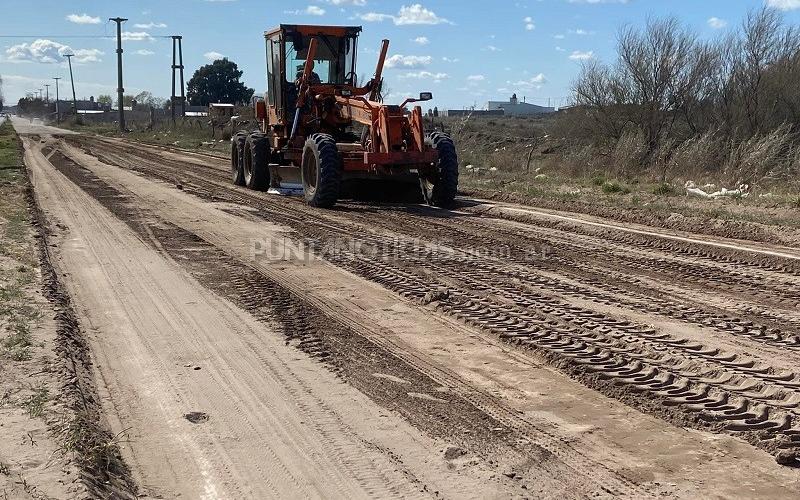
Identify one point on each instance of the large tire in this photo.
(237, 155)
(321, 171)
(442, 190)
(255, 163)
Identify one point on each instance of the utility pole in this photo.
(120, 89)
(47, 95)
(177, 42)
(72, 81)
(58, 115)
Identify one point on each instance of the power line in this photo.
(107, 37)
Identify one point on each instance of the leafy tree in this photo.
(1, 92)
(31, 106)
(147, 99)
(105, 99)
(217, 82)
(127, 100)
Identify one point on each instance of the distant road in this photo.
(25, 126)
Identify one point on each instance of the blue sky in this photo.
(464, 51)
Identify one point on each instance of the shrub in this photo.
(762, 156)
(699, 155)
(629, 153)
(664, 189)
(611, 187)
(598, 180)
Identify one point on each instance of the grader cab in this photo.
(319, 128)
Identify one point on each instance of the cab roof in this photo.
(310, 30)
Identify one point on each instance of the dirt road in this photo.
(250, 346)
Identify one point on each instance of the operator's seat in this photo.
(293, 90)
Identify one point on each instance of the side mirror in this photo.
(425, 96)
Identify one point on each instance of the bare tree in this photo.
(669, 87)
(764, 49)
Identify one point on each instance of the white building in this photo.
(515, 108)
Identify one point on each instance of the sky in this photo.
(464, 51)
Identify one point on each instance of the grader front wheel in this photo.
(321, 171)
(440, 187)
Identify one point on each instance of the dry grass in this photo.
(193, 134)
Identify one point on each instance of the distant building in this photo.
(515, 108)
(65, 105)
(473, 112)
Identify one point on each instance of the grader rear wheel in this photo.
(256, 162)
(237, 155)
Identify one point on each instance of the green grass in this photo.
(664, 189)
(614, 187)
(16, 310)
(17, 345)
(9, 154)
(598, 180)
(36, 402)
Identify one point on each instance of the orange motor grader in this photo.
(316, 125)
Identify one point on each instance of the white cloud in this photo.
(49, 52)
(529, 25)
(425, 75)
(144, 52)
(150, 25)
(421, 40)
(784, 4)
(581, 32)
(374, 17)
(408, 62)
(717, 23)
(581, 56)
(83, 19)
(136, 36)
(492, 48)
(88, 55)
(417, 14)
(213, 56)
(311, 10)
(451, 60)
(476, 78)
(532, 83)
(559, 49)
(559, 37)
(408, 15)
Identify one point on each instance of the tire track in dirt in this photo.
(320, 345)
(694, 390)
(103, 471)
(479, 420)
(376, 477)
